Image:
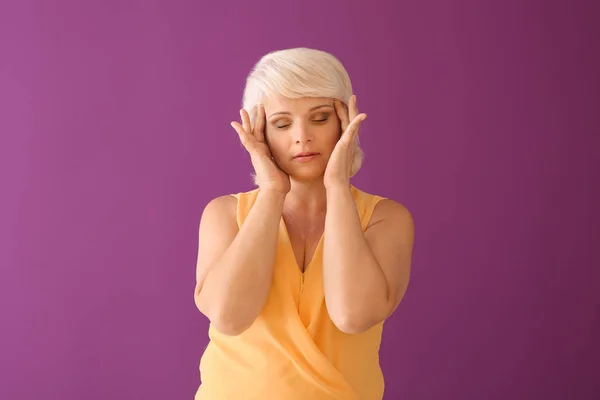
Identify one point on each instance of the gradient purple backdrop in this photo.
(114, 124)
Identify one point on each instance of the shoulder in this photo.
(391, 227)
(384, 208)
(218, 210)
(394, 214)
(227, 205)
(222, 204)
(388, 208)
(391, 218)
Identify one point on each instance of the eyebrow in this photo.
(312, 109)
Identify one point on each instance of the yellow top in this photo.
(293, 350)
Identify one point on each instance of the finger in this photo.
(252, 116)
(246, 121)
(352, 109)
(353, 112)
(352, 129)
(342, 114)
(244, 136)
(259, 127)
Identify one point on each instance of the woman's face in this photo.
(301, 134)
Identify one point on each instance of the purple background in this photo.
(114, 134)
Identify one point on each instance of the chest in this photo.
(304, 239)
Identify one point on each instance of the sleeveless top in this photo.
(293, 351)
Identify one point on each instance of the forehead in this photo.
(279, 103)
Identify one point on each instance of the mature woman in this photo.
(298, 275)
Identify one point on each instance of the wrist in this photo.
(338, 188)
(272, 196)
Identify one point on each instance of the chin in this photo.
(306, 178)
(307, 174)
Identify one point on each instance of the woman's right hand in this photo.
(268, 175)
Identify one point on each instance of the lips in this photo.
(306, 154)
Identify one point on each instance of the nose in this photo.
(302, 134)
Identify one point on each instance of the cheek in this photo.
(275, 143)
(331, 137)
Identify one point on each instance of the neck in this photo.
(307, 197)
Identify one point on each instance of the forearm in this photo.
(354, 283)
(237, 285)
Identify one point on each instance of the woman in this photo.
(298, 275)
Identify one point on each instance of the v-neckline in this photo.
(290, 248)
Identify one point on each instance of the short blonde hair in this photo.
(295, 73)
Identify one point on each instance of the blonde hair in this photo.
(295, 73)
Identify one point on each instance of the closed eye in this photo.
(321, 117)
(317, 120)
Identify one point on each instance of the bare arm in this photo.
(235, 267)
(365, 274)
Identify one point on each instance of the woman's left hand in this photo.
(339, 165)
